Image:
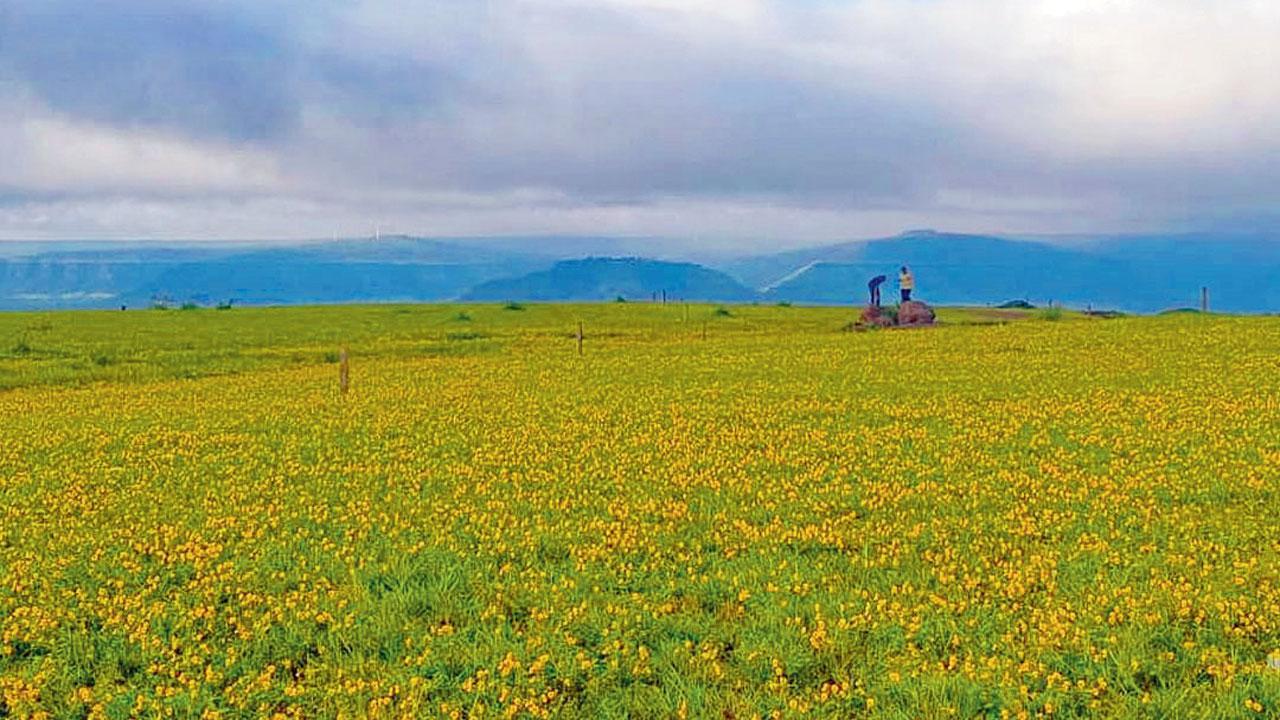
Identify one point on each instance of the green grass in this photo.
(987, 516)
(39, 348)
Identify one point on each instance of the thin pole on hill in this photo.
(1204, 299)
(344, 372)
(579, 337)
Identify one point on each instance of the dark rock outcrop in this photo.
(912, 313)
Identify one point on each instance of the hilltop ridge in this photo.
(612, 278)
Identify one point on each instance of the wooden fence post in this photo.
(344, 372)
(579, 337)
(1204, 299)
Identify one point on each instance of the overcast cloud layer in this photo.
(759, 122)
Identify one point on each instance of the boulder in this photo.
(914, 313)
(873, 316)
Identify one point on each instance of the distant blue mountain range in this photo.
(616, 278)
(1139, 274)
(1132, 273)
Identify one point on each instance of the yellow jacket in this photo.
(906, 281)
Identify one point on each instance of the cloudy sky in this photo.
(752, 122)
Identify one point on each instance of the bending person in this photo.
(874, 287)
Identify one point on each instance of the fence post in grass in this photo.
(1204, 299)
(344, 372)
(579, 337)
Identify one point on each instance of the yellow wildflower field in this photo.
(767, 518)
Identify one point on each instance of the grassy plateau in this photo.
(723, 513)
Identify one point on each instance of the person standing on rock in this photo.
(874, 287)
(906, 283)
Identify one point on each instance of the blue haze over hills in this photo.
(1132, 273)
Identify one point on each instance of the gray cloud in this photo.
(729, 119)
(202, 68)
